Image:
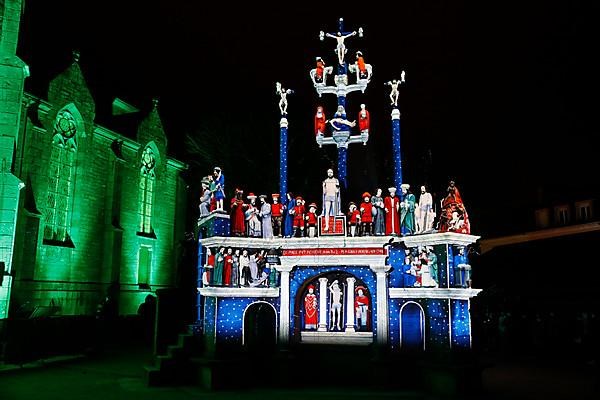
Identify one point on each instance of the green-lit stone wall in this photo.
(104, 242)
(13, 72)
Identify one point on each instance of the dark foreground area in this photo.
(118, 373)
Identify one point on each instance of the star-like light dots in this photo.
(396, 153)
(461, 321)
(300, 275)
(283, 162)
(230, 316)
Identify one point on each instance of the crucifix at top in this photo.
(337, 130)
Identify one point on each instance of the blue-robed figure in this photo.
(289, 219)
(462, 269)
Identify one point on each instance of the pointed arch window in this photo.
(146, 191)
(61, 179)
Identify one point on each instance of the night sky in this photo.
(500, 97)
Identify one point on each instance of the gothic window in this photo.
(144, 265)
(61, 179)
(146, 190)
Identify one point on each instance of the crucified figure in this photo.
(283, 94)
(341, 48)
(394, 84)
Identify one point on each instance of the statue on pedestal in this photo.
(331, 197)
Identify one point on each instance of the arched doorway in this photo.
(259, 326)
(412, 327)
(303, 323)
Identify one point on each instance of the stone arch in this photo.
(258, 326)
(412, 326)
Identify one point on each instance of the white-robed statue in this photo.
(265, 215)
(331, 197)
(424, 212)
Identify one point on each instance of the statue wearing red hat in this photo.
(353, 219)
(366, 214)
(277, 210)
(361, 307)
(311, 220)
(298, 214)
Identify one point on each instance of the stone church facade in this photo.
(87, 212)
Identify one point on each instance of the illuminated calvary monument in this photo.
(407, 292)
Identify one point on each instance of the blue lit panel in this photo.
(461, 332)
(450, 269)
(209, 317)
(396, 260)
(441, 253)
(231, 316)
(437, 312)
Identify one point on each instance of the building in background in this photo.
(99, 213)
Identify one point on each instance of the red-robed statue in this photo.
(310, 309)
(454, 217)
(320, 121)
(391, 205)
(364, 120)
(238, 226)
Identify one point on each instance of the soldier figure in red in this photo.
(298, 213)
(366, 215)
(353, 219)
(311, 220)
(277, 215)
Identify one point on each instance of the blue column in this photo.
(283, 162)
(342, 166)
(396, 148)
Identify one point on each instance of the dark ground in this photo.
(118, 374)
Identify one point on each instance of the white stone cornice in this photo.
(433, 293)
(239, 292)
(430, 239)
(298, 243)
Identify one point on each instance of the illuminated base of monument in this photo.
(399, 314)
